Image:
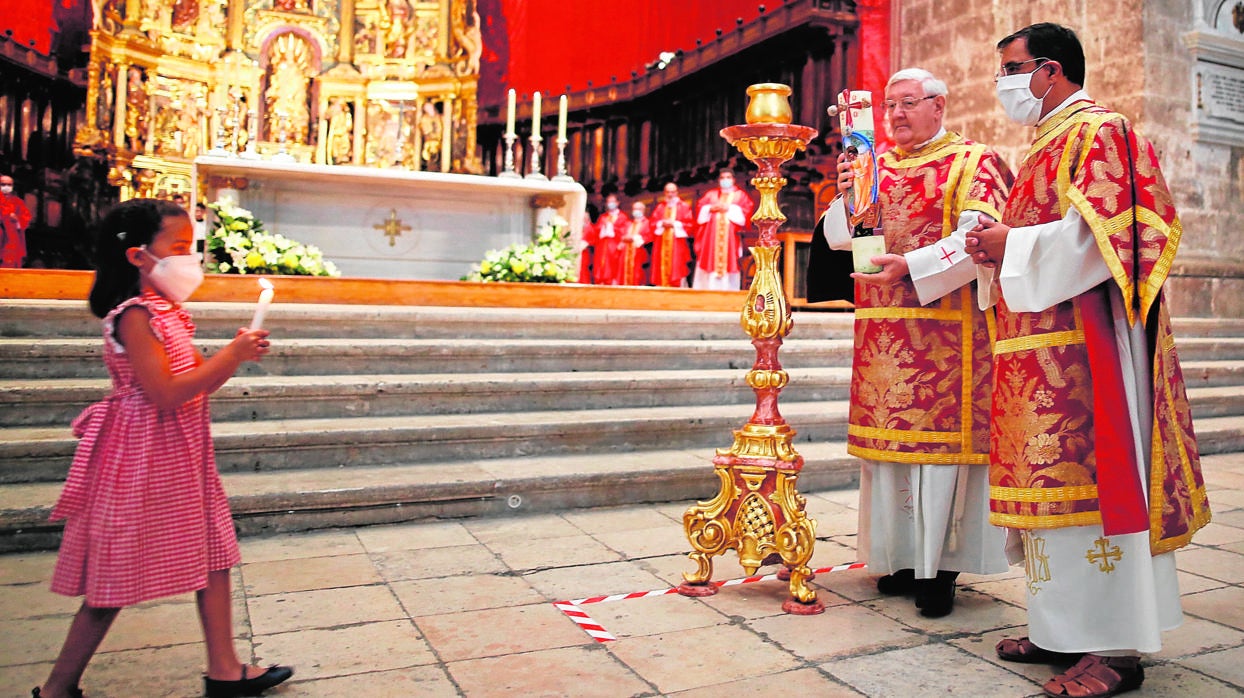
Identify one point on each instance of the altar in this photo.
(391, 223)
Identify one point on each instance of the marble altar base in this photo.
(391, 224)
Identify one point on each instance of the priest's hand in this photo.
(845, 174)
(986, 243)
(893, 269)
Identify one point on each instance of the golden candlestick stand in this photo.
(758, 511)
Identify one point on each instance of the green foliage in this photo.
(548, 259)
(238, 244)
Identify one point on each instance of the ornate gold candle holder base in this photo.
(758, 511)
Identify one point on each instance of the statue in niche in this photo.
(430, 133)
(365, 35)
(340, 131)
(384, 126)
(103, 104)
(289, 68)
(469, 37)
(291, 5)
(136, 110)
(185, 14)
(397, 19)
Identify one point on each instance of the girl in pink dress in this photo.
(145, 513)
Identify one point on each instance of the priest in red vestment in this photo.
(672, 225)
(723, 214)
(1094, 462)
(587, 251)
(633, 248)
(14, 219)
(610, 227)
(920, 374)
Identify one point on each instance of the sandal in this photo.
(1095, 676)
(1022, 650)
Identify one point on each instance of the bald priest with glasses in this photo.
(920, 376)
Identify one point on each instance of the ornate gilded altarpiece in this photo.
(381, 83)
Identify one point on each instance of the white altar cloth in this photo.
(444, 222)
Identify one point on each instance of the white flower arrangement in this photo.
(548, 259)
(238, 244)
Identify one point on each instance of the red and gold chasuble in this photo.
(920, 381)
(670, 255)
(633, 259)
(1062, 449)
(717, 241)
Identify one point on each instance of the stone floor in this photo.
(465, 608)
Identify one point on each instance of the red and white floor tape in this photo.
(574, 612)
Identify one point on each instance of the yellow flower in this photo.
(518, 267)
(485, 267)
(254, 259)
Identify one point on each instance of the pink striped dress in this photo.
(145, 512)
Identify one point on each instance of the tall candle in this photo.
(535, 115)
(509, 114)
(265, 299)
(561, 118)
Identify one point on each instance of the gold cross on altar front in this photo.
(392, 227)
(1100, 555)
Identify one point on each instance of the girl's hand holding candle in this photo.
(265, 299)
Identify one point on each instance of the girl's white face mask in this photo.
(177, 276)
(1015, 94)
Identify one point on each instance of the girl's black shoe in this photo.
(75, 692)
(215, 688)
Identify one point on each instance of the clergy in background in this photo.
(14, 220)
(633, 248)
(610, 227)
(1095, 468)
(920, 375)
(724, 213)
(672, 225)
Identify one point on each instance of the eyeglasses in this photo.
(908, 103)
(1014, 67)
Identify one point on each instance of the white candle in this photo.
(535, 115)
(561, 119)
(509, 114)
(261, 309)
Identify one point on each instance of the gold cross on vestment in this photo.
(392, 227)
(1101, 556)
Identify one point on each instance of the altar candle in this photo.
(535, 115)
(509, 114)
(561, 118)
(261, 309)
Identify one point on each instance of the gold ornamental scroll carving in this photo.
(758, 510)
(171, 80)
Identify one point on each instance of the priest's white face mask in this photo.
(726, 182)
(1018, 101)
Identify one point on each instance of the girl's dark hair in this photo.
(132, 223)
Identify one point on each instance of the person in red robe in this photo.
(587, 251)
(14, 219)
(633, 248)
(672, 224)
(723, 214)
(1094, 466)
(610, 227)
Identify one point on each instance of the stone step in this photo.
(283, 501)
(22, 359)
(25, 359)
(72, 319)
(56, 402)
(31, 454)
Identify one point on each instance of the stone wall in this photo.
(1138, 63)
